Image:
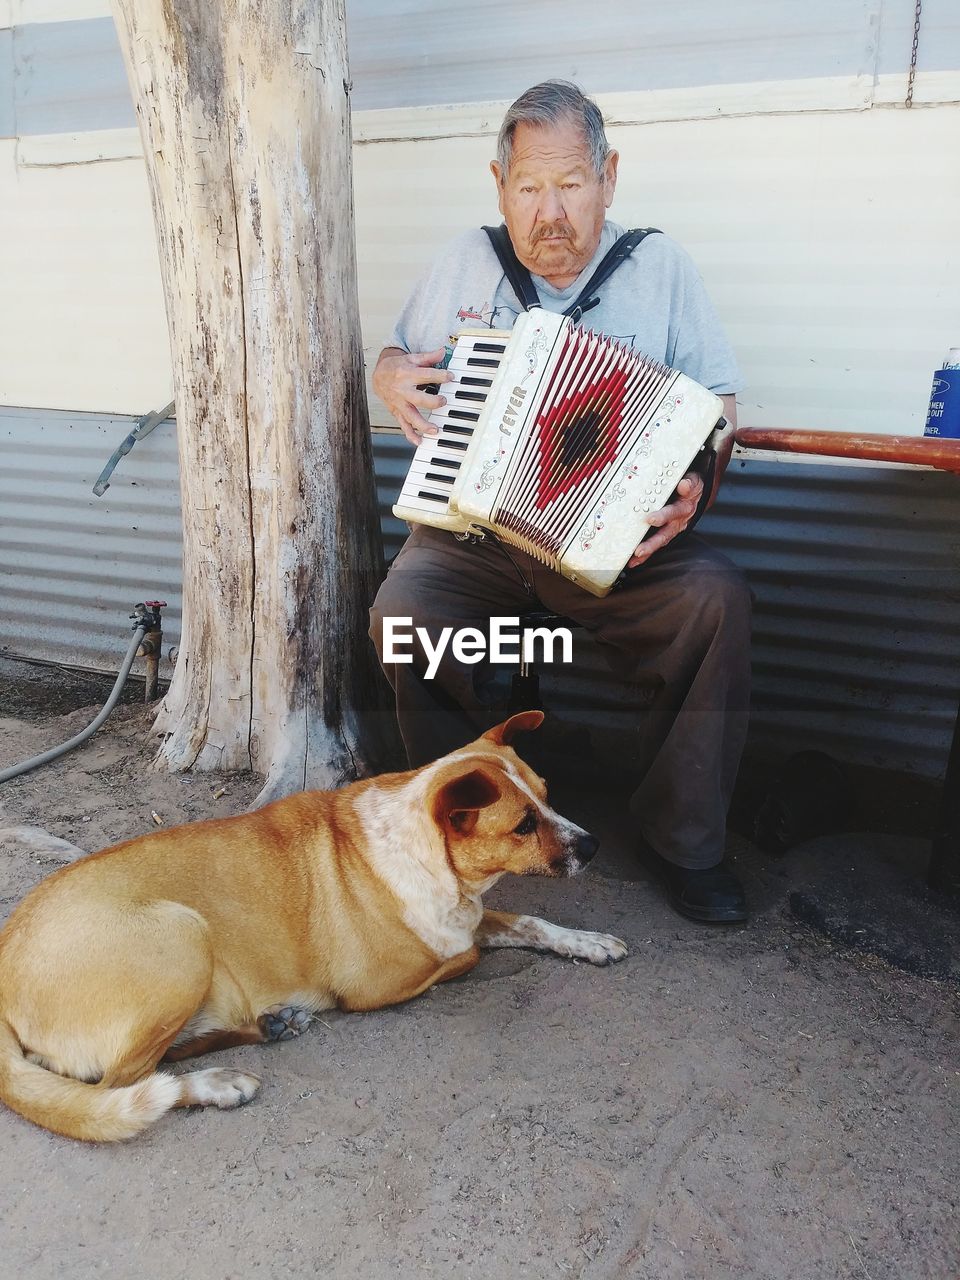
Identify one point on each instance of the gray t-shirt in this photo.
(655, 302)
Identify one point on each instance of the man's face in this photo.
(552, 200)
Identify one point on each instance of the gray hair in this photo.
(551, 103)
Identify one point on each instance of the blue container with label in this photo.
(943, 416)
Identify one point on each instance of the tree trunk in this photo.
(244, 113)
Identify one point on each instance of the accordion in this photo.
(558, 441)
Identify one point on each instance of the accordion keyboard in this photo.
(438, 459)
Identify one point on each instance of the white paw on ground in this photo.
(597, 948)
(219, 1087)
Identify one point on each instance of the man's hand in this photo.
(397, 380)
(670, 520)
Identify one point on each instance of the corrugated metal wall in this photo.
(72, 565)
(856, 573)
(857, 631)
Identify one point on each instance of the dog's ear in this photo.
(522, 722)
(459, 800)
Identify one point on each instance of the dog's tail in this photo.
(89, 1112)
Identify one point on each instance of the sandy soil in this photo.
(757, 1102)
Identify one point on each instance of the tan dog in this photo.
(234, 931)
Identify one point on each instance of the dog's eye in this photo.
(527, 824)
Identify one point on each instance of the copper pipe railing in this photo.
(926, 451)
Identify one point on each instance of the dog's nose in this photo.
(587, 846)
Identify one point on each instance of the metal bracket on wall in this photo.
(143, 428)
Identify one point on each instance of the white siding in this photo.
(829, 244)
(77, 253)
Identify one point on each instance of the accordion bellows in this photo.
(559, 441)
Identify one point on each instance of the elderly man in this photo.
(680, 620)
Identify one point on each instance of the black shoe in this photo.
(711, 895)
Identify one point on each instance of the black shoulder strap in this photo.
(522, 284)
(513, 268)
(612, 259)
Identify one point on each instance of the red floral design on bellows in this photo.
(578, 436)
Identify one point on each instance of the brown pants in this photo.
(680, 623)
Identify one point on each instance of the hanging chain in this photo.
(913, 56)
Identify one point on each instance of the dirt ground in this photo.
(775, 1101)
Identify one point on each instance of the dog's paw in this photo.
(219, 1087)
(238, 1087)
(597, 948)
(283, 1022)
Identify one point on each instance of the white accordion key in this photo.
(426, 492)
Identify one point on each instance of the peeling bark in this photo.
(244, 113)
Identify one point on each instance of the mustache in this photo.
(562, 229)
